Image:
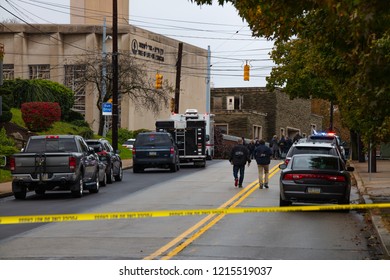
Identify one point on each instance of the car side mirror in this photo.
(282, 166)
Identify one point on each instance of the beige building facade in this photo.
(48, 51)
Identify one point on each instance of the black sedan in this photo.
(315, 178)
(110, 158)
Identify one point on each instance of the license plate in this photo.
(152, 154)
(313, 190)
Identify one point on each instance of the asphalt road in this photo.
(292, 235)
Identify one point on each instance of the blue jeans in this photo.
(241, 169)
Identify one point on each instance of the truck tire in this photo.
(77, 188)
(119, 176)
(19, 191)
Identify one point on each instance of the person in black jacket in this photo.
(263, 158)
(239, 156)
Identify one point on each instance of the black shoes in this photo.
(263, 186)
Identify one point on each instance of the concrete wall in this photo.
(59, 45)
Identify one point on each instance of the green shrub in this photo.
(80, 123)
(73, 116)
(7, 145)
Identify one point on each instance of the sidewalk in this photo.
(373, 187)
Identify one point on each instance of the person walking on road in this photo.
(239, 156)
(263, 158)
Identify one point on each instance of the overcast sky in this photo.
(219, 27)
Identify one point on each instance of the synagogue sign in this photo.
(147, 50)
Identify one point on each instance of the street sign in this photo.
(107, 109)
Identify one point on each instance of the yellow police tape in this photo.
(170, 213)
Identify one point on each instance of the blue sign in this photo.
(107, 109)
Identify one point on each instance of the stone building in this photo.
(50, 51)
(257, 113)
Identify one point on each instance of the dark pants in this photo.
(241, 169)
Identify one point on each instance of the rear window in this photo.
(312, 150)
(97, 146)
(313, 162)
(51, 145)
(152, 140)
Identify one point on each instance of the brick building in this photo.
(258, 113)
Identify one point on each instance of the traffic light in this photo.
(172, 104)
(246, 72)
(159, 79)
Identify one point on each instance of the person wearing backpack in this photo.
(239, 156)
(263, 158)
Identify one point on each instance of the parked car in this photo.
(129, 143)
(315, 178)
(55, 162)
(329, 137)
(155, 150)
(312, 147)
(110, 157)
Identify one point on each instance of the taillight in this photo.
(12, 163)
(333, 178)
(102, 153)
(133, 150)
(172, 151)
(286, 161)
(72, 163)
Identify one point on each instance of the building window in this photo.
(257, 132)
(223, 128)
(74, 75)
(217, 103)
(233, 103)
(39, 71)
(8, 71)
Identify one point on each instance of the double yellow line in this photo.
(170, 249)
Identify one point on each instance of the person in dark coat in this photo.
(239, 156)
(263, 158)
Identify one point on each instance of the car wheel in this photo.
(77, 188)
(19, 191)
(110, 176)
(136, 169)
(119, 177)
(104, 181)
(96, 185)
(284, 202)
(172, 167)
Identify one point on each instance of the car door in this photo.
(89, 161)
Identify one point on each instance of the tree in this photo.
(37, 90)
(133, 82)
(335, 49)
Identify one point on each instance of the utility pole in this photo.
(1, 63)
(331, 116)
(115, 74)
(208, 81)
(178, 75)
(104, 66)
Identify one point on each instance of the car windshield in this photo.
(129, 142)
(315, 162)
(152, 140)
